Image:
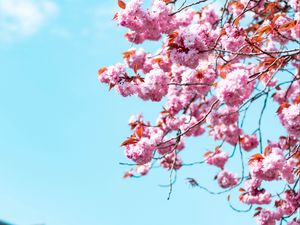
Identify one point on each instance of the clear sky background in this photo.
(60, 130)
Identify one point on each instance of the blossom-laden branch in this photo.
(210, 70)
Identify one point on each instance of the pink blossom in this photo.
(249, 142)
(143, 169)
(290, 119)
(295, 4)
(140, 152)
(273, 166)
(168, 161)
(234, 89)
(217, 158)
(227, 179)
(294, 222)
(233, 39)
(256, 196)
(155, 85)
(266, 217)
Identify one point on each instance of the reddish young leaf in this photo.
(127, 174)
(265, 29)
(288, 25)
(206, 154)
(237, 21)
(297, 100)
(111, 86)
(215, 84)
(255, 157)
(256, 214)
(241, 197)
(157, 59)
(121, 4)
(129, 141)
(222, 74)
(279, 203)
(102, 70)
(115, 16)
(282, 106)
(242, 190)
(139, 132)
(128, 54)
(135, 68)
(267, 150)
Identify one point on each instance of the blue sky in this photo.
(61, 130)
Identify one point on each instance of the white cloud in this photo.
(22, 18)
(61, 32)
(101, 19)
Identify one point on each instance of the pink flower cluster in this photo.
(157, 20)
(168, 161)
(249, 142)
(273, 166)
(155, 85)
(266, 217)
(255, 194)
(284, 207)
(294, 222)
(234, 89)
(233, 39)
(207, 72)
(217, 158)
(140, 152)
(192, 44)
(227, 179)
(290, 119)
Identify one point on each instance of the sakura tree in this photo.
(213, 64)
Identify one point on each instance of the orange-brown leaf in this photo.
(257, 39)
(256, 214)
(241, 197)
(278, 87)
(173, 34)
(264, 29)
(218, 148)
(242, 190)
(288, 25)
(283, 106)
(267, 150)
(255, 157)
(115, 16)
(111, 86)
(121, 4)
(128, 54)
(223, 74)
(157, 59)
(127, 174)
(139, 132)
(297, 100)
(206, 154)
(297, 172)
(102, 70)
(279, 203)
(135, 68)
(237, 21)
(242, 140)
(129, 141)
